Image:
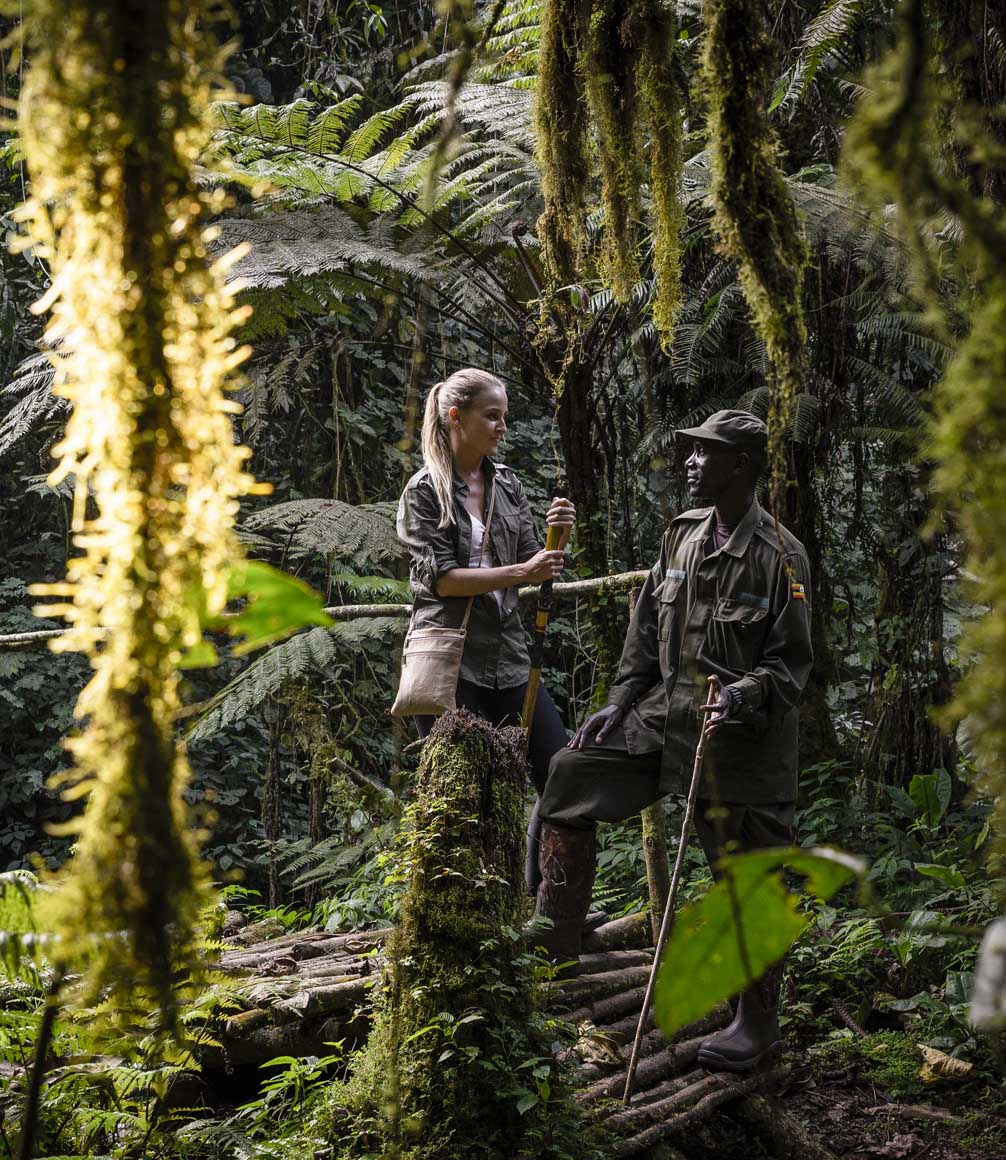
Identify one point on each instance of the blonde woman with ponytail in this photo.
(441, 520)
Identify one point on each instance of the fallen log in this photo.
(309, 944)
(294, 1037)
(585, 987)
(335, 996)
(730, 1088)
(633, 930)
(659, 1065)
(782, 1133)
(686, 1091)
(615, 960)
(610, 1008)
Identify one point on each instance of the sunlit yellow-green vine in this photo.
(112, 115)
(898, 150)
(754, 215)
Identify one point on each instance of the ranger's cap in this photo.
(736, 428)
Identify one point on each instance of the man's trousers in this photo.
(607, 784)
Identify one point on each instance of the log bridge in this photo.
(294, 992)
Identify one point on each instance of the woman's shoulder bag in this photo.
(431, 658)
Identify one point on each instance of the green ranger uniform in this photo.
(741, 614)
(495, 655)
(737, 609)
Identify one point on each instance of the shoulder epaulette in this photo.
(694, 515)
(789, 546)
(417, 478)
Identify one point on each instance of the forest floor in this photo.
(858, 1092)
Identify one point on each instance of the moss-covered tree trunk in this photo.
(456, 1067)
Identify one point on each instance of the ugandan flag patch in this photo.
(796, 590)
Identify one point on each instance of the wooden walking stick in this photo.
(541, 618)
(668, 920)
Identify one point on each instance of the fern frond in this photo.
(357, 535)
(317, 650)
(301, 244)
(32, 380)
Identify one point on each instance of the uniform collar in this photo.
(737, 545)
(488, 470)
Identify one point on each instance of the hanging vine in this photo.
(636, 100)
(620, 54)
(560, 127)
(112, 115)
(753, 213)
(901, 149)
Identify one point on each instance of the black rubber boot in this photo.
(567, 864)
(754, 1033)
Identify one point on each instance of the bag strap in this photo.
(482, 549)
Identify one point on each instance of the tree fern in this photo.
(316, 651)
(358, 536)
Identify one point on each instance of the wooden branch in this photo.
(672, 1059)
(574, 588)
(923, 1113)
(365, 781)
(611, 1008)
(658, 867)
(579, 989)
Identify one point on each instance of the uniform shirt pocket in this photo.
(666, 594)
(736, 630)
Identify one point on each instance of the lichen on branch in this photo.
(113, 115)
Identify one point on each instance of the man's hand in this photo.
(724, 706)
(599, 724)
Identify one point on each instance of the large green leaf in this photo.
(278, 604)
(729, 937)
(931, 794)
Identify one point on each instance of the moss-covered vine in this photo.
(753, 213)
(560, 125)
(112, 115)
(901, 149)
(621, 55)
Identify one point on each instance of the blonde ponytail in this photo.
(460, 390)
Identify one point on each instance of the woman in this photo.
(440, 520)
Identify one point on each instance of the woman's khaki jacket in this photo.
(495, 653)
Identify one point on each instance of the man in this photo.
(729, 596)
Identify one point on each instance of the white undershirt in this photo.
(487, 561)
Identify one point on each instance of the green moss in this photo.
(560, 124)
(891, 1060)
(635, 96)
(611, 85)
(753, 213)
(458, 1064)
(620, 55)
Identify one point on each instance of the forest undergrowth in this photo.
(875, 1002)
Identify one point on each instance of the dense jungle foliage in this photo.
(426, 186)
